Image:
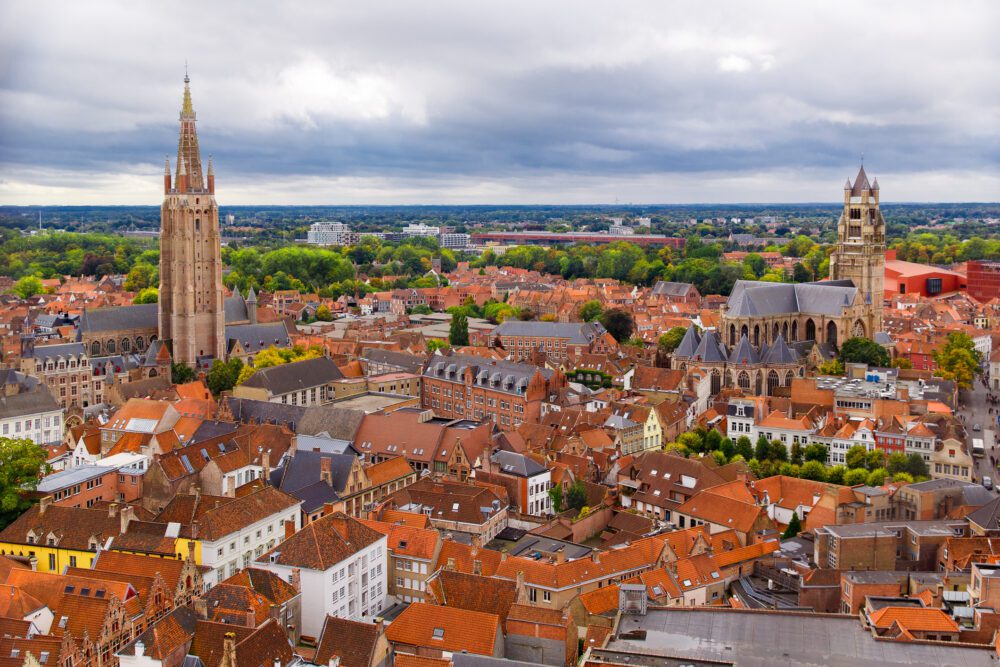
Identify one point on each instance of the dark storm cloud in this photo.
(385, 101)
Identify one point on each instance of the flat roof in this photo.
(64, 478)
(371, 402)
(755, 638)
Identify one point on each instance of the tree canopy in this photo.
(22, 463)
(619, 323)
(864, 351)
(958, 360)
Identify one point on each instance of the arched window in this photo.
(759, 383)
(831, 332)
(153, 372)
(784, 331)
(743, 380)
(774, 332)
(859, 329)
(716, 381)
(744, 331)
(756, 335)
(795, 331)
(810, 329)
(788, 379)
(111, 347)
(772, 382)
(732, 334)
(126, 345)
(140, 343)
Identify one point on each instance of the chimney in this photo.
(379, 623)
(560, 556)
(334, 661)
(296, 579)
(265, 463)
(140, 648)
(595, 556)
(450, 565)
(289, 528)
(112, 510)
(328, 509)
(190, 555)
(477, 543)
(195, 528)
(477, 567)
(43, 504)
(201, 608)
(126, 517)
(325, 471)
(229, 649)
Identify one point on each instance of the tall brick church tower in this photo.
(860, 252)
(191, 313)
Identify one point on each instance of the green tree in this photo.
(903, 477)
(797, 456)
(147, 295)
(458, 333)
(832, 367)
(576, 498)
(794, 527)
(140, 277)
(669, 341)
(874, 459)
(835, 475)
(223, 375)
(902, 363)
(916, 466)
(619, 323)
(856, 476)
(762, 450)
(813, 470)
(864, 351)
(28, 286)
(727, 448)
(323, 313)
(556, 496)
(744, 447)
(958, 360)
(421, 309)
(181, 373)
(713, 440)
(816, 452)
(877, 477)
(22, 463)
(857, 457)
(755, 265)
(778, 451)
(591, 310)
(435, 344)
(896, 462)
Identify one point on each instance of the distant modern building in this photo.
(912, 278)
(331, 233)
(420, 229)
(454, 240)
(570, 238)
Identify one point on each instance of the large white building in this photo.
(420, 229)
(331, 233)
(29, 411)
(342, 566)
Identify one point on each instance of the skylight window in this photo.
(438, 633)
(687, 582)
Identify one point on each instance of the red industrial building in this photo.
(983, 279)
(910, 278)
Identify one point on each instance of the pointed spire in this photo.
(847, 185)
(875, 184)
(187, 108)
(211, 167)
(252, 296)
(166, 168)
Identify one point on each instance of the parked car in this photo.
(987, 482)
(977, 427)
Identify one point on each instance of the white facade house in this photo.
(233, 534)
(342, 566)
(34, 415)
(420, 229)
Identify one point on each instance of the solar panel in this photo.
(204, 454)
(187, 464)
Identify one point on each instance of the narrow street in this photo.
(975, 409)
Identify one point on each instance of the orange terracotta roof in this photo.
(445, 628)
(600, 600)
(407, 540)
(743, 554)
(914, 618)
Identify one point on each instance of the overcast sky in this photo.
(416, 101)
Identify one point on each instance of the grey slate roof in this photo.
(752, 298)
(27, 403)
(506, 376)
(409, 363)
(300, 477)
(211, 428)
(295, 376)
(142, 316)
(247, 411)
(338, 423)
(779, 353)
(743, 353)
(257, 337)
(710, 348)
(860, 183)
(667, 288)
(517, 464)
(689, 344)
(235, 309)
(987, 516)
(577, 332)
